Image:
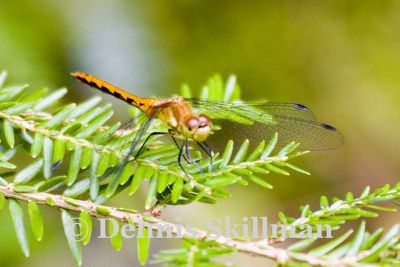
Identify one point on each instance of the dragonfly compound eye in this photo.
(192, 123)
(204, 121)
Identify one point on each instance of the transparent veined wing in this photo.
(135, 145)
(259, 121)
(263, 112)
(126, 133)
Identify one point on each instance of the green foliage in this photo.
(343, 210)
(75, 151)
(36, 220)
(17, 216)
(86, 223)
(71, 235)
(143, 247)
(194, 253)
(363, 247)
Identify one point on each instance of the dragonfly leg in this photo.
(177, 145)
(147, 139)
(190, 157)
(206, 148)
(180, 158)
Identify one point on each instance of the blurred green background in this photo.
(340, 58)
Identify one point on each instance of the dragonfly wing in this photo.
(259, 121)
(311, 135)
(257, 111)
(123, 136)
(145, 123)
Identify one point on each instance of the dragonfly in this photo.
(193, 120)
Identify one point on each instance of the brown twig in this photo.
(260, 248)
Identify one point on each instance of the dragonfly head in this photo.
(198, 128)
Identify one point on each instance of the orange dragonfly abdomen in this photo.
(144, 104)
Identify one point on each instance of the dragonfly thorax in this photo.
(178, 114)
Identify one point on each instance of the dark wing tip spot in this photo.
(328, 127)
(300, 107)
